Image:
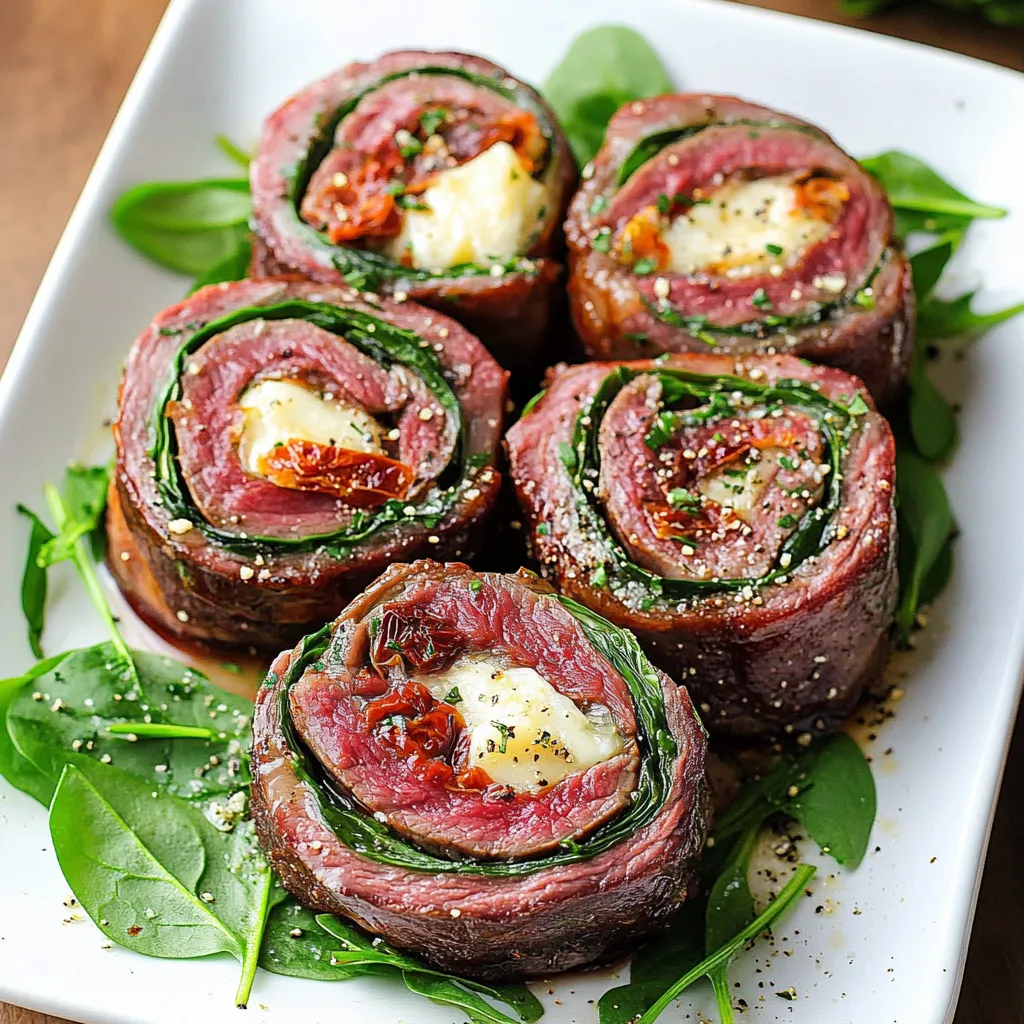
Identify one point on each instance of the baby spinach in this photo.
(296, 945)
(14, 766)
(926, 423)
(654, 968)
(232, 267)
(938, 319)
(33, 581)
(191, 736)
(713, 965)
(361, 950)
(155, 876)
(913, 185)
(187, 226)
(926, 525)
(836, 802)
(829, 789)
(602, 69)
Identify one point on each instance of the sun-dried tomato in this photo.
(361, 479)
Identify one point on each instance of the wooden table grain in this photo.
(64, 66)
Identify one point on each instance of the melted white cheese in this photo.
(480, 212)
(278, 411)
(731, 234)
(523, 732)
(739, 487)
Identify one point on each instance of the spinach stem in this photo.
(87, 573)
(719, 979)
(254, 942)
(725, 953)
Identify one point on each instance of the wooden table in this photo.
(64, 66)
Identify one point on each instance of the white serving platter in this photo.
(890, 940)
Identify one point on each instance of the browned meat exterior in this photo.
(706, 221)
(736, 513)
(347, 168)
(280, 442)
(370, 800)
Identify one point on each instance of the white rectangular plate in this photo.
(890, 941)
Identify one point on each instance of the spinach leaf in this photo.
(363, 951)
(33, 581)
(296, 945)
(927, 265)
(932, 420)
(925, 524)
(86, 698)
(602, 69)
(713, 963)
(837, 806)
(913, 185)
(14, 766)
(233, 267)
(655, 966)
(938, 319)
(187, 226)
(838, 817)
(908, 222)
(450, 993)
(730, 905)
(154, 875)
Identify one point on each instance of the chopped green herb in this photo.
(599, 577)
(409, 146)
(543, 529)
(602, 241)
(599, 204)
(431, 120)
(664, 204)
(787, 522)
(645, 266)
(858, 407)
(476, 586)
(760, 299)
(408, 202)
(453, 696)
(679, 497)
(773, 249)
(507, 732)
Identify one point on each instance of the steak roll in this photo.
(436, 175)
(737, 514)
(280, 442)
(481, 772)
(706, 222)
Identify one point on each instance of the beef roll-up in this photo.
(482, 772)
(707, 223)
(434, 175)
(280, 442)
(737, 514)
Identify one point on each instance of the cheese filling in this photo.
(481, 212)
(523, 732)
(750, 227)
(279, 411)
(738, 487)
